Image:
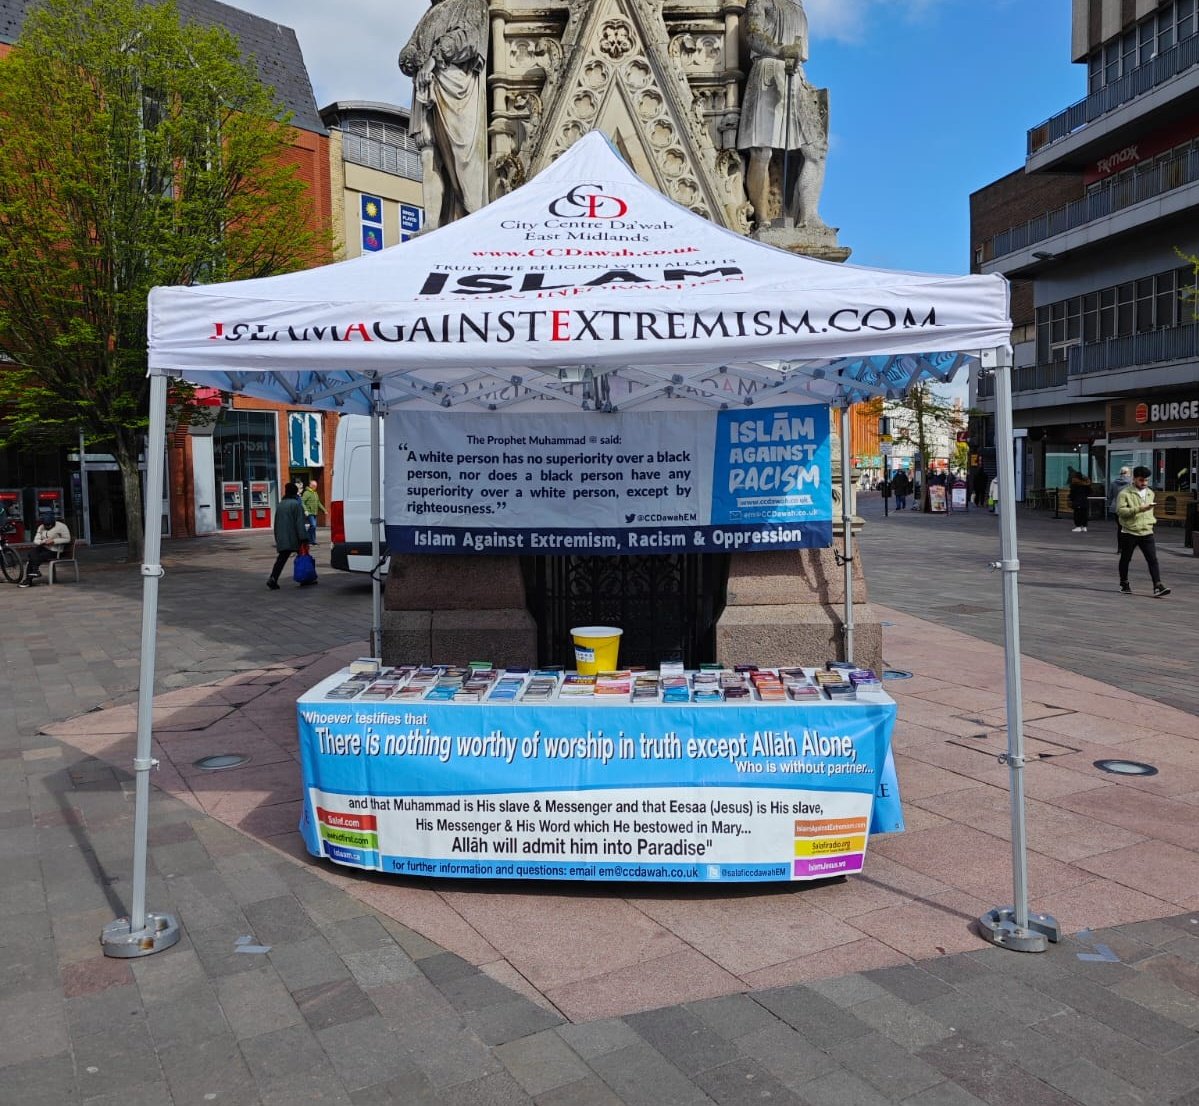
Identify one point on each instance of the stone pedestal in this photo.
(787, 608)
(819, 242)
(457, 609)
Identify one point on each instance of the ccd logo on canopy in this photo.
(586, 201)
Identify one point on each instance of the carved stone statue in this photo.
(446, 57)
(782, 113)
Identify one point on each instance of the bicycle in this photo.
(10, 560)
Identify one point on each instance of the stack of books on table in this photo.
(768, 685)
(575, 686)
(614, 683)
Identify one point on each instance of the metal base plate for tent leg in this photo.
(160, 932)
(999, 927)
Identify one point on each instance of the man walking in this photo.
(312, 507)
(1134, 511)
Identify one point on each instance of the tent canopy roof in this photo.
(588, 288)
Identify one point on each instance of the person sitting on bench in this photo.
(51, 538)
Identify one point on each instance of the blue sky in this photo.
(930, 100)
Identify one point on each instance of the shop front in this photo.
(1161, 432)
(246, 468)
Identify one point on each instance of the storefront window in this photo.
(245, 451)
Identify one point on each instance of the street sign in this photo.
(885, 449)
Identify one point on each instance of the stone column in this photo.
(451, 610)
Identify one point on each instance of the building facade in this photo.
(1097, 233)
(239, 444)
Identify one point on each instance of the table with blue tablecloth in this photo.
(595, 789)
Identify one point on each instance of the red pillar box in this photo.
(10, 500)
(260, 505)
(232, 511)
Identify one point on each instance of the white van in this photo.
(350, 495)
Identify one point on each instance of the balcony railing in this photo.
(1142, 184)
(1170, 343)
(399, 161)
(1143, 79)
(1026, 378)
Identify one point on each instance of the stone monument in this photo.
(708, 101)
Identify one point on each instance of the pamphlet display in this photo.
(714, 776)
(747, 479)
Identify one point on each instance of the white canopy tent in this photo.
(584, 289)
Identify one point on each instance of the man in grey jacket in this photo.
(291, 532)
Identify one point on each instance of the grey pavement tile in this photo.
(732, 1016)
(446, 967)
(284, 1054)
(592, 1039)
(591, 1091)
(1162, 998)
(820, 1021)
(216, 949)
(47, 1081)
(256, 1002)
(684, 1039)
(841, 1088)
(508, 1021)
(787, 1055)
(988, 1075)
(1013, 999)
(474, 992)
(250, 883)
(279, 921)
(542, 1062)
(195, 1071)
(744, 1081)
(376, 967)
(194, 1014)
(329, 1004)
(944, 1094)
(1092, 1086)
(411, 1091)
(360, 934)
(908, 982)
(111, 1061)
(906, 1025)
(443, 1047)
(160, 977)
(203, 900)
(307, 963)
(32, 1026)
(499, 1089)
(144, 1094)
(324, 1089)
(1104, 1005)
(848, 990)
(97, 1012)
(642, 1076)
(181, 858)
(885, 1065)
(366, 1052)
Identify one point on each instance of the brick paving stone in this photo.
(642, 1076)
(586, 1092)
(742, 1082)
(507, 1021)
(329, 1004)
(256, 1002)
(683, 1038)
(542, 1062)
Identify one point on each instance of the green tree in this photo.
(138, 151)
(923, 415)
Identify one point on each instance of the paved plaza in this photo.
(376, 990)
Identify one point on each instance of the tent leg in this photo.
(1012, 926)
(376, 522)
(145, 932)
(847, 523)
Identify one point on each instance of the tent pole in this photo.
(1012, 926)
(143, 933)
(376, 522)
(847, 523)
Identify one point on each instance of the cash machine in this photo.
(12, 502)
(260, 505)
(231, 506)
